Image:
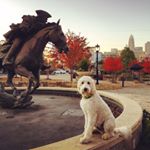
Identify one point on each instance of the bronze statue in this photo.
(27, 53)
(19, 32)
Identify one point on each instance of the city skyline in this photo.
(108, 23)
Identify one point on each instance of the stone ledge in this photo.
(130, 117)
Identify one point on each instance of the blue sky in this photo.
(106, 22)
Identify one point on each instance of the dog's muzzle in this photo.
(85, 89)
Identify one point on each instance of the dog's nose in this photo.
(85, 89)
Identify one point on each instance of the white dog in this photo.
(96, 112)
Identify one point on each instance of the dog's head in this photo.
(86, 86)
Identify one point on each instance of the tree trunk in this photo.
(112, 77)
(71, 75)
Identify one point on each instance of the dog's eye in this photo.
(88, 82)
(82, 82)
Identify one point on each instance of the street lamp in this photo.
(97, 48)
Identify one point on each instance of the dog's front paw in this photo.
(96, 131)
(84, 140)
(106, 136)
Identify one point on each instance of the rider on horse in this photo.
(21, 31)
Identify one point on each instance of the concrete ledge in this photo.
(130, 117)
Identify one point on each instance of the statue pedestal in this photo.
(10, 101)
(7, 100)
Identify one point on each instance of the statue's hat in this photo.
(43, 13)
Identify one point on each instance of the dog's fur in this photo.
(96, 112)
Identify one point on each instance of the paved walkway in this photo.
(140, 94)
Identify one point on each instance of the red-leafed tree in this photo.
(136, 68)
(78, 50)
(56, 61)
(146, 65)
(112, 65)
(133, 63)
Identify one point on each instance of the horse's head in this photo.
(58, 38)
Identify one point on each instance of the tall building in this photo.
(139, 53)
(147, 48)
(114, 51)
(93, 55)
(131, 44)
(138, 49)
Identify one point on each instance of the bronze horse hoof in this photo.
(23, 102)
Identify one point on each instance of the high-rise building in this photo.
(139, 53)
(147, 48)
(131, 43)
(114, 51)
(138, 49)
(93, 55)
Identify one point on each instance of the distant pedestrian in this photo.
(75, 76)
(122, 78)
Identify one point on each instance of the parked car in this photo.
(60, 71)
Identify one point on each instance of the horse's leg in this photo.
(28, 74)
(9, 81)
(37, 81)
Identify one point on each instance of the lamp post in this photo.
(97, 48)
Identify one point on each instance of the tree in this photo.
(78, 50)
(113, 65)
(84, 65)
(136, 67)
(146, 65)
(55, 57)
(127, 56)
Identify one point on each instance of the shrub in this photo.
(145, 139)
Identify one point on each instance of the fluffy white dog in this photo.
(96, 112)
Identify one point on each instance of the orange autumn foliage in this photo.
(78, 50)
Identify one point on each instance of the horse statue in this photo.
(28, 61)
